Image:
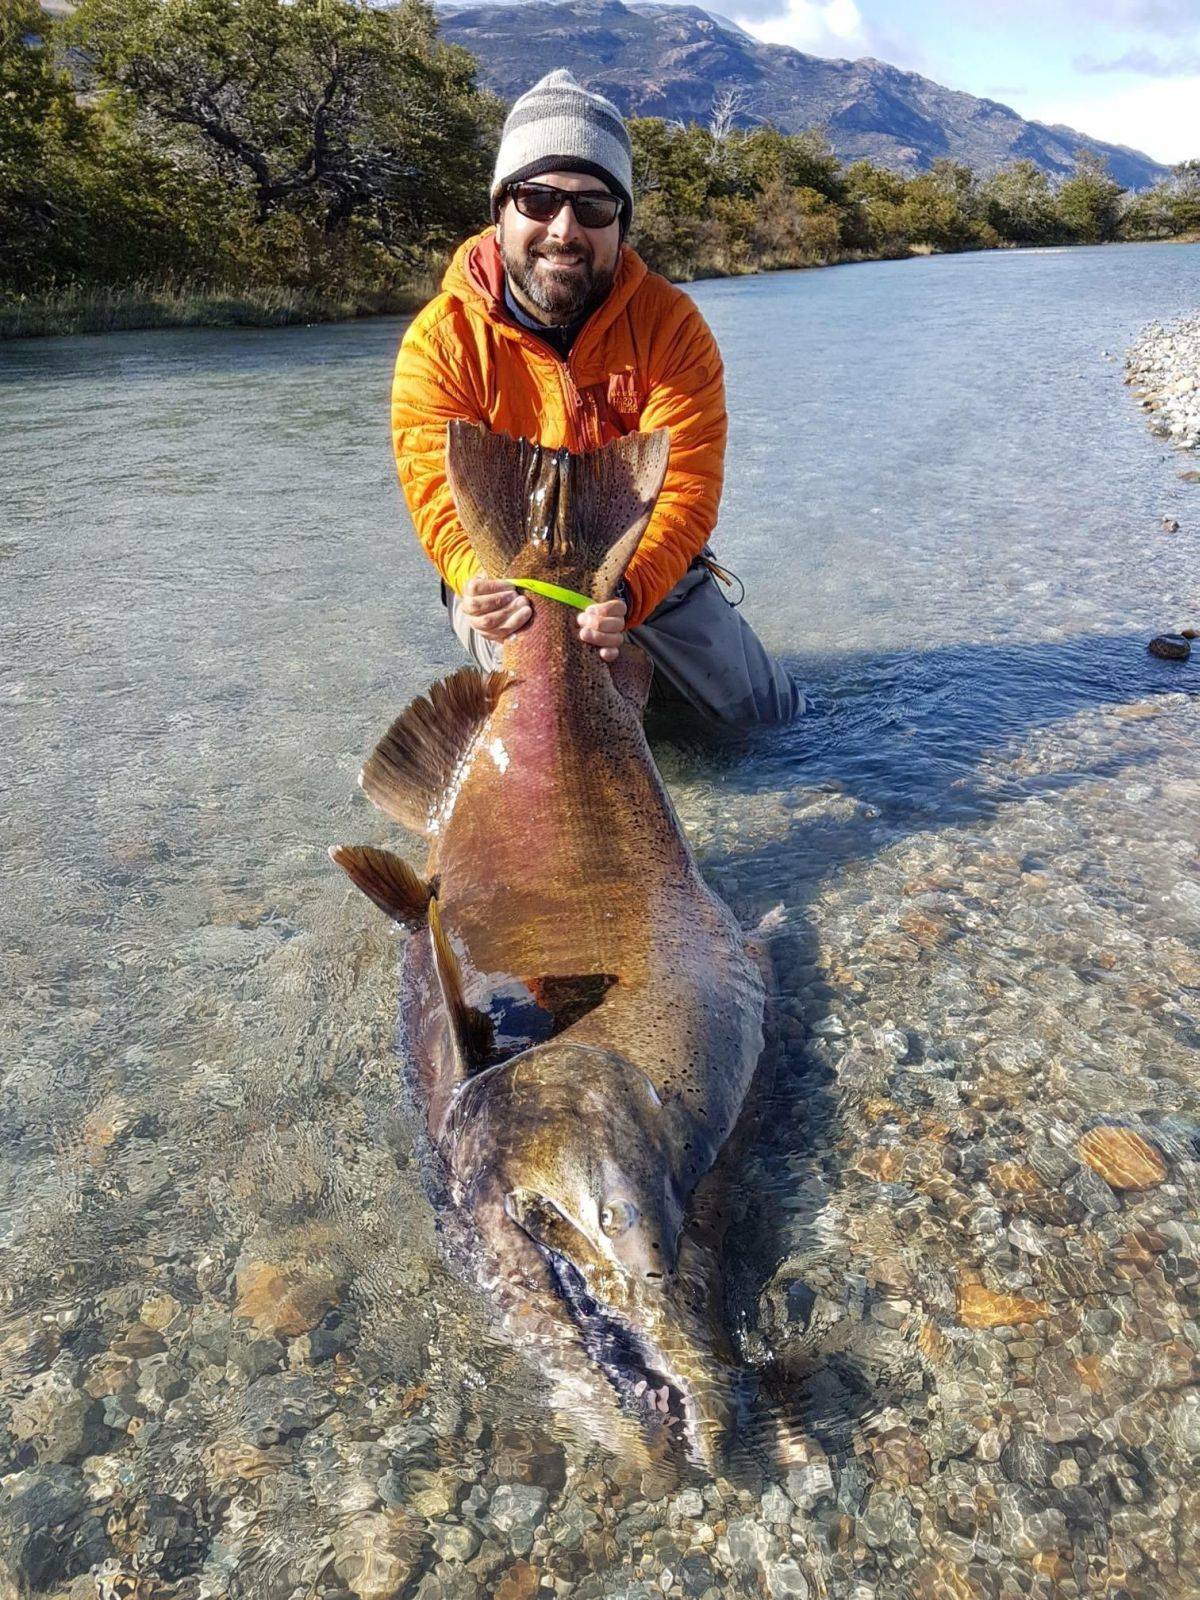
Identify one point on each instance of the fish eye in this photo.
(617, 1217)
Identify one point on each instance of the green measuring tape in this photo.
(552, 591)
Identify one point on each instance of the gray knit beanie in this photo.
(559, 126)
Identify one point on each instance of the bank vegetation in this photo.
(183, 161)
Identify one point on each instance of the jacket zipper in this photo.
(576, 411)
(577, 415)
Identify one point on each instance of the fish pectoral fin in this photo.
(387, 880)
(567, 999)
(411, 768)
(471, 1030)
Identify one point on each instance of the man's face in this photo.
(558, 269)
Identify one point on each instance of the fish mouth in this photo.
(639, 1375)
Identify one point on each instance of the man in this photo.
(550, 328)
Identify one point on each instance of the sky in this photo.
(1126, 71)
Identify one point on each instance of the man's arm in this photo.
(688, 397)
(425, 397)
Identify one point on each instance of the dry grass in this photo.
(143, 305)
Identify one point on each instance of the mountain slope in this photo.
(656, 60)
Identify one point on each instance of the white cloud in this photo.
(835, 27)
(1161, 118)
(827, 28)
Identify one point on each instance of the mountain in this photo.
(658, 60)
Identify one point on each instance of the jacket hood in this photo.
(475, 277)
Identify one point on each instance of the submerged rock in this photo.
(281, 1407)
(1170, 647)
(1122, 1158)
(284, 1302)
(980, 1307)
(49, 1531)
(516, 1510)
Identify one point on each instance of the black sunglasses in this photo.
(541, 202)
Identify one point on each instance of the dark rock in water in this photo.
(48, 1530)
(524, 1456)
(1170, 646)
(1170, 525)
(169, 1543)
(800, 1302)
(1190, 477)
(1092, 1193)
(276, 1408)
(251, 1358)
(697, 1575)
(119, 1411)
(1028, 1460)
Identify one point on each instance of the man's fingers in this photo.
(509, 621)
(481, 585)
(603, 632)
(487, 604)
(602, 625)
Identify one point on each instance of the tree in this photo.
(873, 220)
(1184, 184)
(327, 109)
(37, 115)
(81, 200)
(1089, 202)
(941, 208)
(1018, 203)
(1149, 215)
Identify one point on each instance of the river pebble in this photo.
(1163, 366)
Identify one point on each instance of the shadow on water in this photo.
(906, 735)
(905, 730)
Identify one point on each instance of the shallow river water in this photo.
(231, 1361)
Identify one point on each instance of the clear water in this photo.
(948, 515)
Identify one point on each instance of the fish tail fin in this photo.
(532, 511)
(410, 770)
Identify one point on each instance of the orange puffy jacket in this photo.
(644, 359)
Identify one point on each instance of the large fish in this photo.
(581, 1014)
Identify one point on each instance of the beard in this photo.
(562, 295)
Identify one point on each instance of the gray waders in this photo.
(701, 646)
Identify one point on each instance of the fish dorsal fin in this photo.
(528, 510)
(413, 765)
(386, 879)
(470, 1029)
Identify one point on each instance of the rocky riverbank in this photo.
(1163, 368)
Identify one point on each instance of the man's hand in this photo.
(602, 625)
(494, 608)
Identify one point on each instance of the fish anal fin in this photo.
(387, 880)
(471, 1030)
(411, 768)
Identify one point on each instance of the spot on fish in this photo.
(499, 754)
